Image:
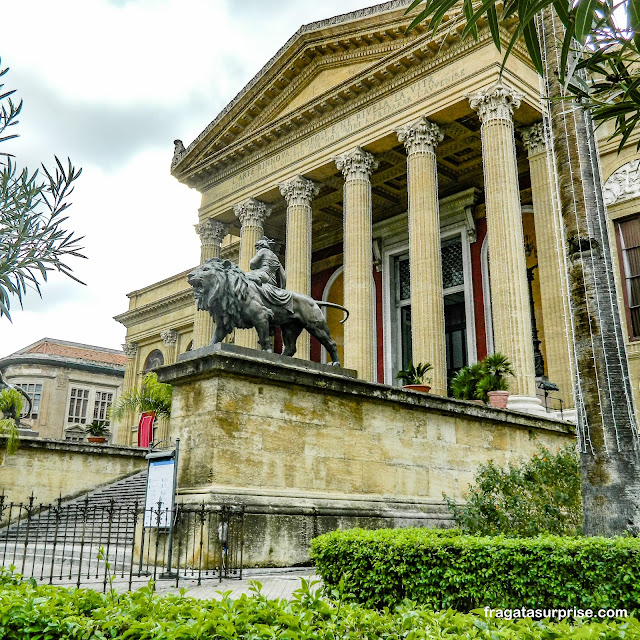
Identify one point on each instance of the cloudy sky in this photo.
(111, 84)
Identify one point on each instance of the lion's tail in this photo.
(322, 303)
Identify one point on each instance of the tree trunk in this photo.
(607, 429)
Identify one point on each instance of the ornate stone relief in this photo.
(169, 336)
(496, 102)
(534, 138)
(212, 232)
(357, 164)
(299, 191)
(623, 183)
(251, 212)
(420, 136)
(130, 349)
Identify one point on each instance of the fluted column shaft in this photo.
(425, 259)
(507, 264)
(299, 192)
(211, 234)
(252, 213)
(359, 293)
(550, 262)
(123, 427)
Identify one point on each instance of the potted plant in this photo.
(97, 431)
(415, 377)
(465, 382)
(493, 387)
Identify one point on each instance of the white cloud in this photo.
(112, 84)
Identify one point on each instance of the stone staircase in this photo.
(104, 516)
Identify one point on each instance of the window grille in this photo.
(78, 406)
(452, 265)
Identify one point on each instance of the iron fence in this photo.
(81, 542)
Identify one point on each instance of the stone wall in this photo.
(51, 468)
(305, 447)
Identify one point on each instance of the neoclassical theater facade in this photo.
(402, 177)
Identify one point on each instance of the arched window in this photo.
(154, 359)
(189, 347)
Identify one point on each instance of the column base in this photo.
(526, 404)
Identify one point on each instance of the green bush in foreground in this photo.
(28, 612)
(464, 572)
(541, 495)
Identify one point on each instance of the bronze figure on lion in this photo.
(239, 300)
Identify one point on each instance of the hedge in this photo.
(30, 612)
(464, 572)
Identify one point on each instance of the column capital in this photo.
(356, 164)
(169, 336)
(211, 232)
(496, 102)
(534, 138)
(420, 136)
(299, 190)
(252, 212)
(130, 349)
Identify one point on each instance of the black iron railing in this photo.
(80, 542)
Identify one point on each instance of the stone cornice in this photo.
(373, 83)
(290, 59)
(421, 136)
(158, 308)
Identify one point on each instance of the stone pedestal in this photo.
(211, 234)
(425, 255)
(299, 192)
(252, 213)
(307, 447)
(507, 264)
(359, 290)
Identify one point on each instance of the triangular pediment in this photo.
(325, 74)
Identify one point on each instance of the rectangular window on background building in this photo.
(34, 391)
(78, 406)
(629, 246)
(104, 400)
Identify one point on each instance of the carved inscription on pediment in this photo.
(328, 136)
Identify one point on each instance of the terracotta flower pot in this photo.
(498, 399)
(423, 388)
(96, 439)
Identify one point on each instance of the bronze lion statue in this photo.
(237, 301)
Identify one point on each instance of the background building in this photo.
(70, 385)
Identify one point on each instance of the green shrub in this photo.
(465, 572)
(28, 612)
(541, 495)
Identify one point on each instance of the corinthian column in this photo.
(123, 428)
(211, 234)
(359, 294)
(425, 260)
(299, 192)
(252, 213)
(507, 265)
(550, 263)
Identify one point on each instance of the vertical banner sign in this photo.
(145, 429)
(160, 489)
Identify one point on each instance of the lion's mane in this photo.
(227, 308)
